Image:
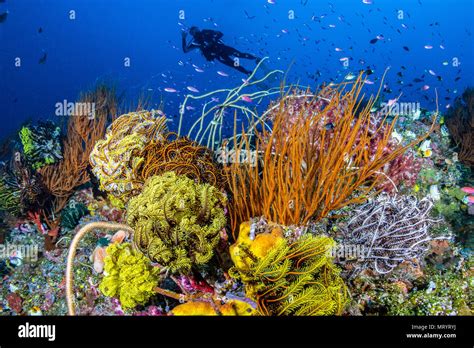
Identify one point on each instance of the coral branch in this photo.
(72, 252)
(322, 155)
(82, 133)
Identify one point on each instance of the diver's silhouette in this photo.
(210, 44)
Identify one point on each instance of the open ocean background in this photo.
(93, 46)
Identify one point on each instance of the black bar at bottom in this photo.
(243, 331)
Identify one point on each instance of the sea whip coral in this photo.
(403, 169)
(69, 279)
(390, 230)
(62, 178)
(116, 158)
(320, 162)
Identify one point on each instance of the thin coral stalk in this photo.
(72, 253)
(214, 112)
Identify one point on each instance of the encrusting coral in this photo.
(286, 278)
(390, 230)
(116, 158)
(177, 222)
(129, 275)
(41, 144)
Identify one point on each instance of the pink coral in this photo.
(402, 170)
(15, 302)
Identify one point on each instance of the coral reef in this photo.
(115, 159)
(177, 221)
(41, 284)
(306, 169)
(129, 275)
(389, 230)
(460, 121)
(41, 144)
(83, 132)
(289, 279)
(72, 213)
(309, 191)
(21, 189)
(10, 192)
(444, 291)
(446, 294)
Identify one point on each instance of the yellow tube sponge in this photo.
(259, 247)
(233, 307)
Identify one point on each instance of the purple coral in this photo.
(389, 230)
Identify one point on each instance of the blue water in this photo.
(92, 47)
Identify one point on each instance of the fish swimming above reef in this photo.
(42, 60)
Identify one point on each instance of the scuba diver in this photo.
(210, 44)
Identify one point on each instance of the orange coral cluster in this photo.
(182, 156)
(310, 170)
